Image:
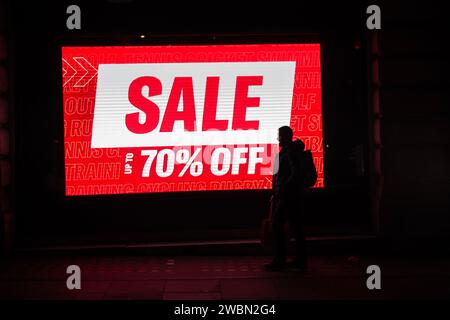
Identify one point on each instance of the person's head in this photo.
(285, 135)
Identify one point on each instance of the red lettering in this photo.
(183, 90)
(150, 109)
(242, 101)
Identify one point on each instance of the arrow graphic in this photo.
(82, 69)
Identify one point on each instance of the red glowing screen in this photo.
(185, 118)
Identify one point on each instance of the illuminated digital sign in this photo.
(185, 118)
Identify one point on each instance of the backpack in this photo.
(308, 172)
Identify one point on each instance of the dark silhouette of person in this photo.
(287, 206)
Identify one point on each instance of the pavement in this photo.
(142, 277)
